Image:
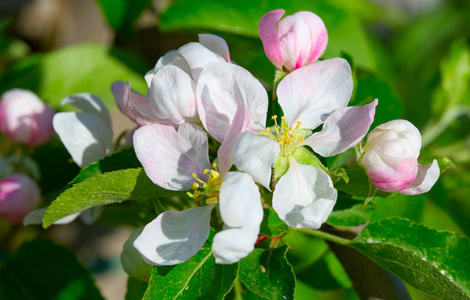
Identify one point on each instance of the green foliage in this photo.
(359, 184)
(198, 278)
(349, 213)
(87, 68)
(433, 261)
(135, 289)
(43, 270)
(268, 274)
(272, 226)
(112, 187)
(122, 14)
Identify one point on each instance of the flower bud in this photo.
(19, 195)
(295, 42)
(391, 159)
(25, 118)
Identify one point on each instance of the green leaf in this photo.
(349, 213)
(43, 270)
(122, 14)
(268, 274)
(436, 262)
(88, 68)
(135, 289)
(112, 187)
(124, 159)
(198, 278)
(273, 226)
(358, 185)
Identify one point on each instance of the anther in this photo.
(195, 186)
(302, 139)
(206, 171)
(274, 117)
(214, 165)
(211, 200)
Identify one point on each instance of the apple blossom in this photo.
(293, 42)
(172, 84)
(391, 159)
(19, 195)
(25, 118)
(318, 94)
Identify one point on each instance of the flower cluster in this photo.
(202, 129)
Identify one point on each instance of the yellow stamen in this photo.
(195, 186)
(215, 175)
(206, 171)
(214, 165)
(212, 200)
(274, 117)
(302, 139)
(283, 117)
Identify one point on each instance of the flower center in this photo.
(210, 189)
(286, 136)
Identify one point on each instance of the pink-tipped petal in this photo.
(239, 125)
(134, 106)
(217, 101)
(342, 130)
(397, 130)
(303, 39)
(216, 44)
(425, 179)
(390, 174)
(174, 236)
(170, 157)
(173, 96)
(267, 29)
(313, 93)
(304, 196)
(255, 154)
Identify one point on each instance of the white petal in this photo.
(87, 137)
(216, 44)
(170, 58)
(198, 57)
(425, 179)
(312, 93)
(173, 95)
(170, 157)
(174, 237)
(217, 100)
(136, 107)
(232, 244)
(239, 200)
(342, 130)
(35, 218)
(304, 197)
(88, 103)
(255, 154)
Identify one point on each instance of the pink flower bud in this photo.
(297, 41)
(25, 118)
(391, 159)
(19, 195)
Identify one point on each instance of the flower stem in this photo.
(237, 289)
(325, 236)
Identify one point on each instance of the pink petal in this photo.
(216, 44)
(134, 106)
(313, 93)
(239, 125)
(303, 38)
(425, 179)
(342, 130)
(170, 157)
(267, 29)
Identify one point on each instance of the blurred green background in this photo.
(414, 56)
